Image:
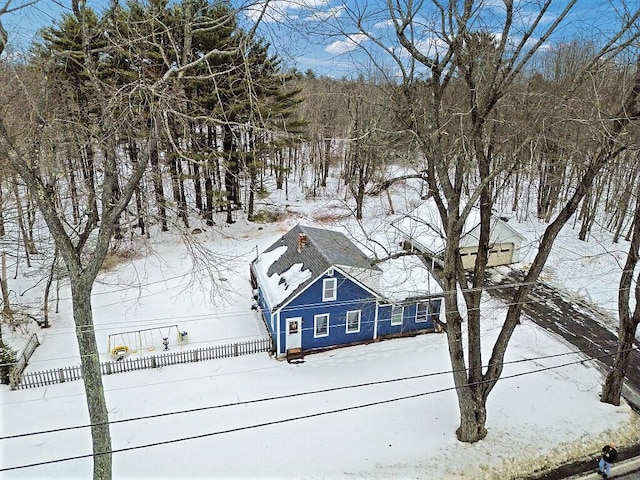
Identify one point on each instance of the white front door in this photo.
(294, 333)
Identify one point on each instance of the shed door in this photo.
(294, 333)
(501, 254)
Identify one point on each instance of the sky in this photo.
(320, 35)
(326, 423)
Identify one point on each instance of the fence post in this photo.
(153, 362)
(61, 375)
(235, 349)
(194, 355)
(13, 379)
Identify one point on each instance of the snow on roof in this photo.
(285, 268)
(278, 286)
(423, 226)
(407, 277)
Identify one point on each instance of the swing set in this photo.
(122, 344)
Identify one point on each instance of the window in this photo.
(397, 313)
(329, 289)
(422, 312)
(293, 327)
(321, 325)
(434, 309)
(353, 321)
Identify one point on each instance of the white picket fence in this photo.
(69, 374)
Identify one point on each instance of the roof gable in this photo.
(284, 269)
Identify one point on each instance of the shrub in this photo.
(265, 216)
(7, 359)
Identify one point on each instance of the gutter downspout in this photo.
(277, 317)
(375, 321)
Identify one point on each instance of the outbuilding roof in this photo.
(424, 227)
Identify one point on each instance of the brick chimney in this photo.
(302, 241)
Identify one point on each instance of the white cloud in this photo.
(333, 12)
(279, 10)
(349, 44)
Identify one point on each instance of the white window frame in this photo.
(326, 288)
(355, 330)
(427, 311)
(315, 326)
(394, 310)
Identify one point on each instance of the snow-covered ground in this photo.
(384, 410)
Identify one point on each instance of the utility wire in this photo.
(277, 422)
(312, 392)
(231, 314)
(203, 317)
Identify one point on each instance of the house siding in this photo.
(409, 323)
(267, 315)
(350, 297)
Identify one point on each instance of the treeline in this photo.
(215, 113)
(182, 84)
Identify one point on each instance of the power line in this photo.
(364, 303)
(281, 421)
(312, 392)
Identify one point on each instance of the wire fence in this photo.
(69, 374)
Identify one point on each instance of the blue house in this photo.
(317, 290)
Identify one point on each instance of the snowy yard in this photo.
(383, 410)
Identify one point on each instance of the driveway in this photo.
(576, 321)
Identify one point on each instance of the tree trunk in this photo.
(175, 167)
(6, 304)
(89, 174)
(208, 174)
(473, 414)
(73, 189)
(158, 188)
(2, 230)
(23, 230)
(91, 375)
(132, 149)
(47, 289)
(624, 202)
(196, 172)
(230, 172)
(279, 170)
(612, 387)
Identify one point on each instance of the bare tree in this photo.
(118, 103)
(456, 81)
(628, 319)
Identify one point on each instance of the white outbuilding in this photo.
(422, 230)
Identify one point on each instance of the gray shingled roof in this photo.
(324, 249)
